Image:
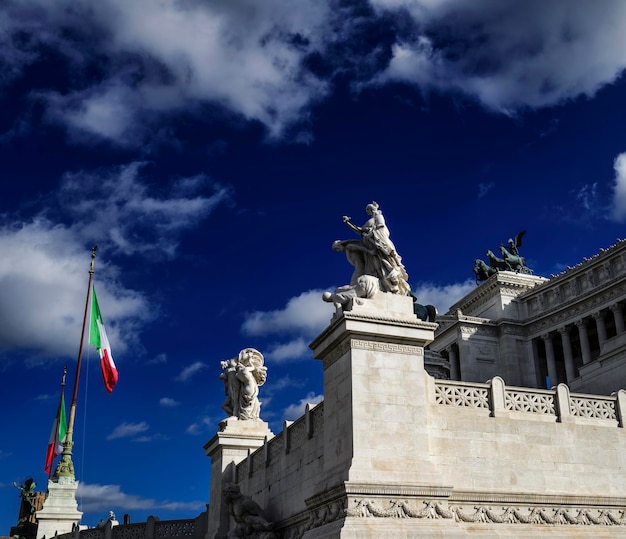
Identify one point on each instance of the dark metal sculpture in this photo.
(511, 260)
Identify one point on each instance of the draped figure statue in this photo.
(375, 254)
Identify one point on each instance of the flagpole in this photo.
(60, 403)
(65, 468)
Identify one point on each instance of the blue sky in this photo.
(210, 151)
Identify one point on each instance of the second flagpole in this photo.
(65, 467)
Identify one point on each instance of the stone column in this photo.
(453, 359)
(570, 368)
(550, 359)
(619, 319)
(584, 341)
(601, 327)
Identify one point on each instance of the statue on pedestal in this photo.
(26, 523)
(374, 255)
(242, 377)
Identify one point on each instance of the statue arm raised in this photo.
(351, 225)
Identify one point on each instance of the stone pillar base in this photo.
(228, 448)
(60, 510)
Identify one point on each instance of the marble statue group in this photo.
(377, 264)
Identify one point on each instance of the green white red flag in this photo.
(98, 337)
(57, 436)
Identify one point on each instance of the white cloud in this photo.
(442, 297)
(305, 314)
(189, 371)
(510, 54)
(280, 353)
(166, 56)
(128, 430)
(202, 425)
(294, 411)
(159, 358)
(618, 210)
(103, 498)
(44, 263)
(250, 58)
(278, 384)
(43, 284)
(168, 402)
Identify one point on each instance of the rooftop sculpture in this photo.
(374, 257)
(511, 260)
(377, 265)
(242, 377)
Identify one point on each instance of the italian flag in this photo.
(98, 337)
(57, 436)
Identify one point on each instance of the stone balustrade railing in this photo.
(497, 398)
(153, 528)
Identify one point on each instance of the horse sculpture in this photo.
(426, 313)
(514, 262)
(482, 270)
(497, 263)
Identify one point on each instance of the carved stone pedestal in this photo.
(375, 399)
(60, 510)
(235, 439)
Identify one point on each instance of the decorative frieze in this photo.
(398, 509)
(486, 514)
(482, 330)
(377, 346)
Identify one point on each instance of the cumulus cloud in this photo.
(305, 314)
(204, 424)
(618, 209)
(442, 297)
(128, 430)
(509, 54)
(244, 55)
(279, 353)
(96, 498)
(44, 263)
(255, 60)
(294, 411)
(189, 371)
(43, 280)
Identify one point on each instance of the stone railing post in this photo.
(150, 527)
(620, 407)
(497, 396)
(563, 410)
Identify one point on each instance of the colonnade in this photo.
(583, 338)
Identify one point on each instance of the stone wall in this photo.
(285, 471)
